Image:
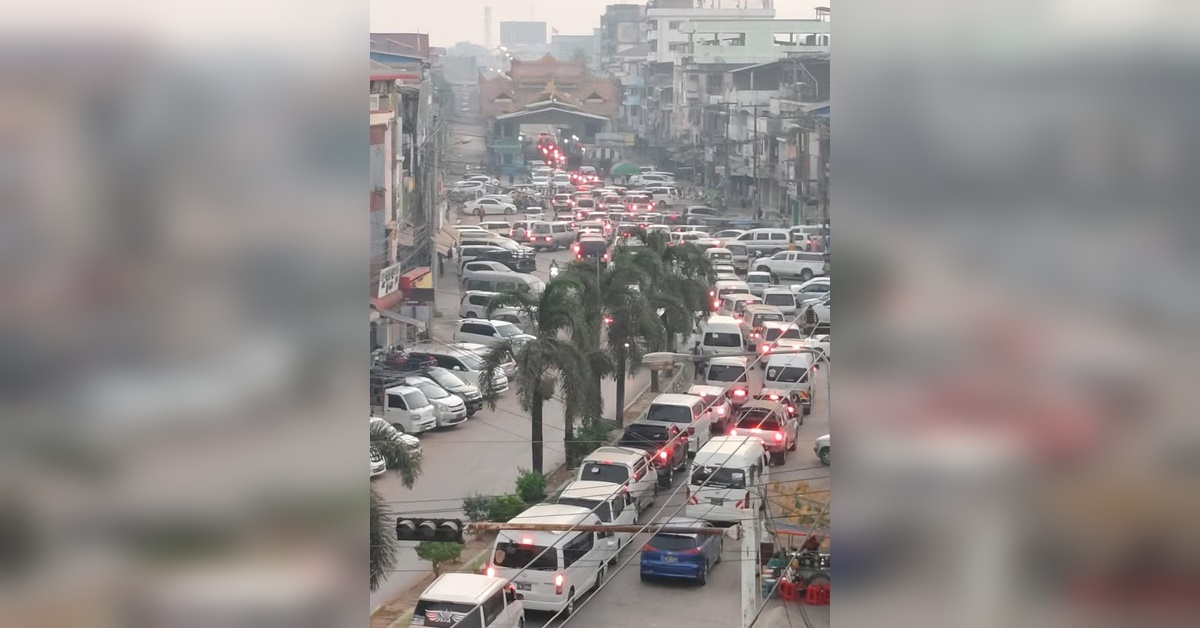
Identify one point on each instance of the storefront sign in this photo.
(389, 280)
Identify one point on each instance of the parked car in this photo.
(689, 556)
(668, 449)
(456, 385)
(489, 332)
(378, 464)
(465, 364)
(449, 409)
(471, 270)
(408, 410)
(484, 206)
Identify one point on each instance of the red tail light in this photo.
(774, 397)
(692, 552)
(663, 454)
(558, 582)
(733, 432)
(778, 437)
(739, 393)
(721, 411)
(647, 548)
(549, 239)
(792, 409)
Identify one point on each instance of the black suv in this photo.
(521, 263)
(654, 439)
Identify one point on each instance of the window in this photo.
(447, 614)
(778, 236)
(674, 24)
(492, 607)
(669, 414)
(601, 509)
(510, 596)
(780, 255)
(513, 556)
(601, 472)
(788, 374)
(574, 551)
(718, 339)
(725, 373)
(415, 400)
(762, 236)
(395, 401)
(722, 477)
(478, 329)
(673, 542)
(507, 330)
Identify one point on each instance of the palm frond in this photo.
(492, 361)
(398, 456)
(384, 545)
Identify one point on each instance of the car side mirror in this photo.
(457, 368)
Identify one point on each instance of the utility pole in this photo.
(749, 558)
(754, 149)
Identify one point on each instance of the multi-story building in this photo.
(621, 50)
(522, 34)
(573, 47)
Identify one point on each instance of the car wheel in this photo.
(805, 410)
(570, 608)
(702, 577)
(792, 447)
(399, 427)
(763, 269)
(806, 274)
(472, 315)
(666, 479)
(508, 211)
(824, 456)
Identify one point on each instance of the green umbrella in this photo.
(624, 169)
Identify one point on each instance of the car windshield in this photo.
(593, 247)
(671, 414)
(758, 278)
(445, 378)
(673, 543)
(718, 339)
(788, 374)
(604, 472)
(470, 361)
(541, 228)
(535, 557)
(759, 319)
(431, 390)
(722, 477)
(437, 614)
(726, 373)
(724, 292)
(508, 330)
(601, 509)
(779, 299)
(642, 435)
(776, 333)
(415, 400)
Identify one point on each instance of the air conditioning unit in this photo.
(375, 102)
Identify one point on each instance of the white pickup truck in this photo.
(800, 264)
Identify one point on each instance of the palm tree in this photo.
(549, 362)
(676, 282)
(406, 462)
(625, 325)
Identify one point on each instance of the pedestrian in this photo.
(441, 264)
(698, 359)
(510, 179)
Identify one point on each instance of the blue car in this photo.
(687, 556)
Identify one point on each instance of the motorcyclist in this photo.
(553, 269)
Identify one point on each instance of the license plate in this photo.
(717, 501)
(669, 559)
(524, 586)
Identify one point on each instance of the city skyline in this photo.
(450, 22)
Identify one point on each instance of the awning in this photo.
(446, 240)
(407, 320)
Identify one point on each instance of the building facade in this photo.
(522, 34)
(573, 47)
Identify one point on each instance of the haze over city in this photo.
(462, 20)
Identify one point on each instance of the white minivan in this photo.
(623, 466)
(689, 412)
(790, 373)
(729, 479)
(466, 599)
(409, 411)
(552, 570)
(721, 335)
(610, 502)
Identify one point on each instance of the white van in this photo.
(623, 466)
(729, 480)
(790, 373)
(609, 502)
(719, 255)
(552, 570)
(721, 335)
(741, 255)
(689, 412)
(498, 281)
(408, 410)
(731, 373)
(467, 599)
(765, 241)
(465, 364)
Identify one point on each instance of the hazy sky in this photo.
(451, 21)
